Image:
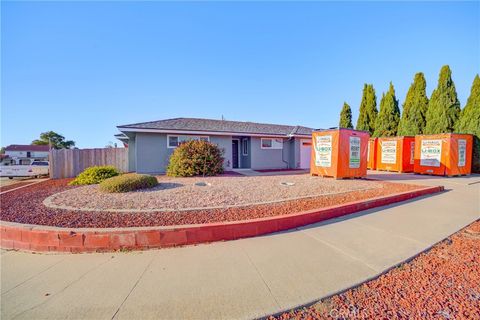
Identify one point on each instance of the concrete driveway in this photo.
(241, 279)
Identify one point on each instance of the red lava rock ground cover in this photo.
(25, 206)
(443, 283)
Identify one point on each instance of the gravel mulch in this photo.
(443, 283)
(184, 193)
(26, 206)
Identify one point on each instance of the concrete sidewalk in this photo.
(240, 279)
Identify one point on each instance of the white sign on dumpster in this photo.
(462, 152)
(431, 153)
(389, 152)
(323, 151)
(354, 161)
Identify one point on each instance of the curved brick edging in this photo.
(52, 239)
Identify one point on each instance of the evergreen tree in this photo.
(368, 109)
(469, 121)
(388, 117)
(346, 117)
(443, 108)
(414, 108)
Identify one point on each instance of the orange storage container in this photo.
(339, 153)
(447, 154)
(395, 154)
(372, 154)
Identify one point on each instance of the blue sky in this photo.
(82, 68)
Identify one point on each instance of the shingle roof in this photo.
(194, 124)
(26, 147)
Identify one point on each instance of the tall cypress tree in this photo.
(368, 109)
(443, 108)
(469, 121)
(346, 117)
(388, 117)
(414, 108)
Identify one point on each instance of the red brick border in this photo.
(44, 238)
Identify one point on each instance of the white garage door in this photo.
(305, 153)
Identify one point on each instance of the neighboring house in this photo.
(244, 144)
(24, 154)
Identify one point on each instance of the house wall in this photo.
(224, 143)
(295, 160)
(152, 155)
(148, 153)
(151, 152)
(291, 154)
(269, 158)
(131, 154)
(23, 154)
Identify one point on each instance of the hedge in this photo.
(128, 182)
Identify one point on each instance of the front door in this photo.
(235, 154)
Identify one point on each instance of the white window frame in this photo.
(178, 136)
(270, 148)
(261, 143)
(244, 145)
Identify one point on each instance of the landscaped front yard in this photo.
(179, 201)
(183, 194)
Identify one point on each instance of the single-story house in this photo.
(23, 154)
(244, 144)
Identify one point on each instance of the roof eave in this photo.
(206, 132)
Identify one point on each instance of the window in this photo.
(266, 143)
(174, 141)
(29, 154)
(245, 147)
(270, 143)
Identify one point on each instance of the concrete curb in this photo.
(39, 238)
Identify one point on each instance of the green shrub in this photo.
(128, 182)
(96, 174)
(195, 157)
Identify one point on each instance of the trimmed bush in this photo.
(194, 158)
(94, 175)
(128, 182)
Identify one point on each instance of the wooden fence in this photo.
(68, 163)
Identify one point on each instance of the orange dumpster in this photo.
(395, 154)
(372, 154)
(339, 153)
(446, 154)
